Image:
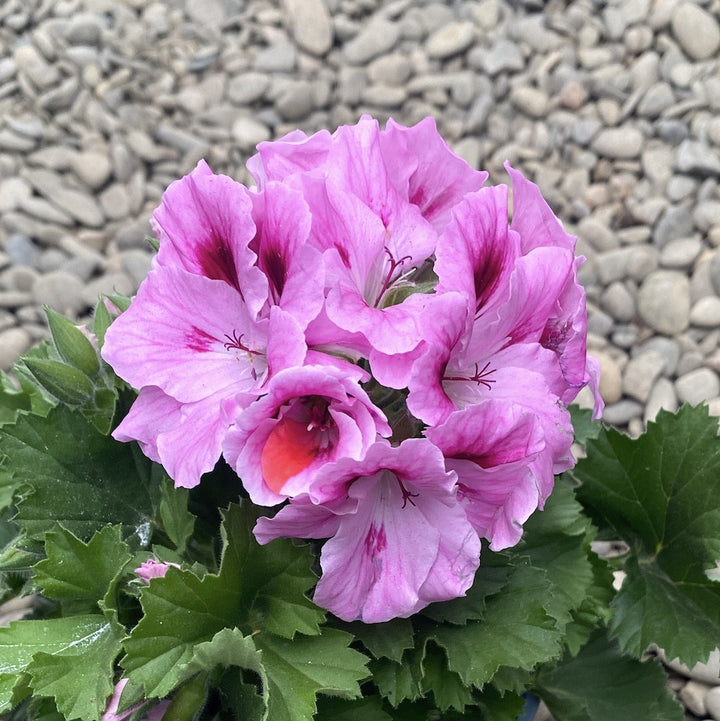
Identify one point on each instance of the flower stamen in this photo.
(407, 496)
(235, 341)
(480, 376)
(394, 265)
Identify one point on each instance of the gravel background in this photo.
(611, 107)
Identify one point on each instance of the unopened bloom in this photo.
(153, 569)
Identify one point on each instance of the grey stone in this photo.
(612, 264)
(296, 101)
(206, 12)
(696, 158)
(610, 386)
(92, 168)
(712, 703)
(697, 386)
(115, 202)
(706, 312)
(281, 57)
(384, 96)
(658, 97)
(640, 374)
(661, 397)
(136, 263)
(451, 39)
(310, 25)
(61, 291)
(679, 187)
(672, 131)
(706, 214)
(13, 191)
(529, 100)
(696, 30)
(115, 282)
(619, 414)
(246, 88)
(597, 234)
(84, 29)
(668, 348)
(248, 132)
(676, 222)
(503, 56)
(664, 301)
(618, 302)
(693, 694)
(392, 69)
(620, 143)
(13, 342)
(680, 253)
(376, 38)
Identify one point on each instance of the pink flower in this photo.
(207, 328)
(399, 538)
(309, 417)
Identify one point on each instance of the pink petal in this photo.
(477, 252)
(437, 178)
(183, 333)
(205, 225)
(294, 269)
(293, 153)
(533, 219)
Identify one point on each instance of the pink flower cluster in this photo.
(366, 339)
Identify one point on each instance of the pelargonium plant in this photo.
(322, 465)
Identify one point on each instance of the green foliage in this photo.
(74, 570)
(232, 633)
(661, 494)
(70, 659)
(75, 476)
(601, 683)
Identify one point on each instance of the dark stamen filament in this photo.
(479, 377)
(394, 265)
(407, 496)
(236, 342)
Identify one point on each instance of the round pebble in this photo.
(697, 386)
(696, 30)
(664, 301)
(13, 342)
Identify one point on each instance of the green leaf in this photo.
(516, 630)
(471, 607)
(446, 686)
(76, 476)
(362, 709)
(387, 640)
(583, 424)
(177, 521)
(500, 707)
(72, 344)
(557, 539)
(49, 651)
(256, 588)
(277, 576)
(397, 681)
(661, 494)
(298, 669)
(600, 683)
(180, 611)
(77, 570)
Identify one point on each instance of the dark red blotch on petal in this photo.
(217, 261)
